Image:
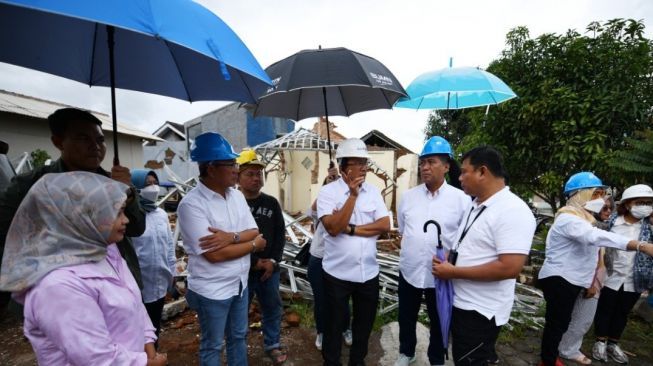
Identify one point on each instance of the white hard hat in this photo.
(637, 191)
(352, 148)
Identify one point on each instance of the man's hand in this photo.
(216, 241)
(267, 266)
(121, 174)
(354, 184)
(590, 292)
(260, 243)
(332, 174)
(442, 269)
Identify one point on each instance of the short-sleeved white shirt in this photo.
(572, 248)
(203, 208)
(447, 206)
(351, 258)
(622, 268)
(506, 226)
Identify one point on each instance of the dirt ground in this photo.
(180, 340)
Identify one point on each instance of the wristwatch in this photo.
(236, 237)
(352, 228)
(274, 262)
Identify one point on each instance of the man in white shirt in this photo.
(219, 233)
(492, 246)
(354, 215)
(432, 200)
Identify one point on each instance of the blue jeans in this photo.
(314, 275)
(267, 293)
(221, 319)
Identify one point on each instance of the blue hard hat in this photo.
(582, 180)
(211, 146)
(139, 175)
(436, 145)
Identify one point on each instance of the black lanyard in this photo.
(464, 233)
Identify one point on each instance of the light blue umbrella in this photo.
(455, 88)
(175, 48)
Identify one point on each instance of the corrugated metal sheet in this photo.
(33, 107)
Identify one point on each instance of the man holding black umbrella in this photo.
(354, 215)
(78, 135)
(436, 200)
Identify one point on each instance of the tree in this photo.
(39, 157)
(580, 98)
(635, 163)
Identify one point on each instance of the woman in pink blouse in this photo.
(82, 305)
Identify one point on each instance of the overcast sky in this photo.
(409, 37)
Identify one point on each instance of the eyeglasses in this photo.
(643, 203)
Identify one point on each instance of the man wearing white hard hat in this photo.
(354, 215)
(219, 233)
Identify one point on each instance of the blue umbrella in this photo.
(455, 88)
(444, 291)
(175, 48)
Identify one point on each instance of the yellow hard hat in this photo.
(247, 158)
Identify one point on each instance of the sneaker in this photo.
(318, 341)
(404, 360)
(615, 352)
(348, 337)
(599, 351)
(558, 362)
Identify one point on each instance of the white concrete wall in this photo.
(26, 134)
(300, 190)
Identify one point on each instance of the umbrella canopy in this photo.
(443, 291)
(327, 82)
(455, 88)
(175, 48)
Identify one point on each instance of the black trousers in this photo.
(154, 310)
(560, 297)
(473, 337)
(612, 312)
(410, 300)
(365, 299)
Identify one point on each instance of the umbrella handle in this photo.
(437, 225)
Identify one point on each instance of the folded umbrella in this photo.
(443, 291)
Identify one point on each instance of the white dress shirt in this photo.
(346, 257)
(203, 208)
(317, 244)
(446, 205)
(505, 226)
(622, 268)
(572, 248)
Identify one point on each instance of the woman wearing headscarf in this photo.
(82, 305)
(572, 253)
(624, 284)
(155, 248)
(585, 305)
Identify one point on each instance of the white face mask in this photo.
(640, 212)
(594, 206)
(150, 193)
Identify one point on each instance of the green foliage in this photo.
(581, 97)
(39, 157)
(635, 162)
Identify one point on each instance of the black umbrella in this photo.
(330, 81)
